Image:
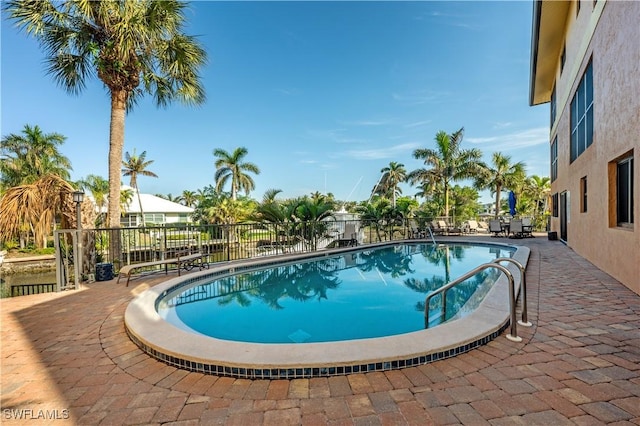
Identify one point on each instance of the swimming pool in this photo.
(361, 294)
(178, 345)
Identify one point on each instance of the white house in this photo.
(157, 211)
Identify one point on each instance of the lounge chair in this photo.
(449, 229)
(470, 227)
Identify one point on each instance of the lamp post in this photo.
(78, 197)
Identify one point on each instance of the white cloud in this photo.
(417, 124)
(418, 98)
(511, 141)
(393, 152)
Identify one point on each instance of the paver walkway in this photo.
(67, 356)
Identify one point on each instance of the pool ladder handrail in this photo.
(513, 335)
(433, 239)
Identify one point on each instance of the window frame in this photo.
(554, 159)
(583, 194)
(624, 192)
(581, 115)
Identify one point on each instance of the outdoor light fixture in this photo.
(78, 197)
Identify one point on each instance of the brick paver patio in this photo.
(66, 355)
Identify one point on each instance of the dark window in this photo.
(583, 193)
(563, 58)
(554, 159)
(624, 191)
(553, 106)
(554, 205)
(577, 7)
(582, 115)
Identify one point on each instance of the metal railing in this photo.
(117, 247)
(513, 335)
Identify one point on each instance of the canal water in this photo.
(25, 278)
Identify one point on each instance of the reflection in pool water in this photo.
(368, 293)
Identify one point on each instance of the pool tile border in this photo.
(308, 372)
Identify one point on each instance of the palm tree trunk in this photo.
(140, 204)
(446, 200)
(498, 191)
(116, 144)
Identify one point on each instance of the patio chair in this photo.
(349, 236)
(516, 228)
(495, 227)
(527, 227)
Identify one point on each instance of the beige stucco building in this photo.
(585, 62)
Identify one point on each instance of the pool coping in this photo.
(208, 355)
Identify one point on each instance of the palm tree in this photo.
(134, 165)
(449, 163)
(231, 167)
(392, 176)
(32, 209)
(270, 195)
(133, 47)
(188, 198)
(538, 188)
(27, 157)
(500, 175)
(98, 187)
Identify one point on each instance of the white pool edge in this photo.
(195, 352)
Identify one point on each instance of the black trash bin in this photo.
(104, 271)
(553, 236)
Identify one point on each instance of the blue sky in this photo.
(322, 94)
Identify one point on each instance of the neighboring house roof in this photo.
(547, 41)
(150, 204)
(153, 204)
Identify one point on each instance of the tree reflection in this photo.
(392, 260)
(300, 282)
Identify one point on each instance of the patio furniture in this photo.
(470, 227)
(187, 262)
(496, 228)
(527, 227)
(349, 237)
(515, 228)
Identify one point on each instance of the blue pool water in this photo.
(372, 292)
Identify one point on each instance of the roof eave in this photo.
(547, 39)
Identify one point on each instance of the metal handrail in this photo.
(523, 280)
(513, 336)
(433, 239)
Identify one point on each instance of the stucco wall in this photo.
(615, 49)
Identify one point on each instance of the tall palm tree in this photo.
(231, 167)
(26, 157)
(502, 174)
(133, 47)
(448, 163)
(392, 176)
(134, 165)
